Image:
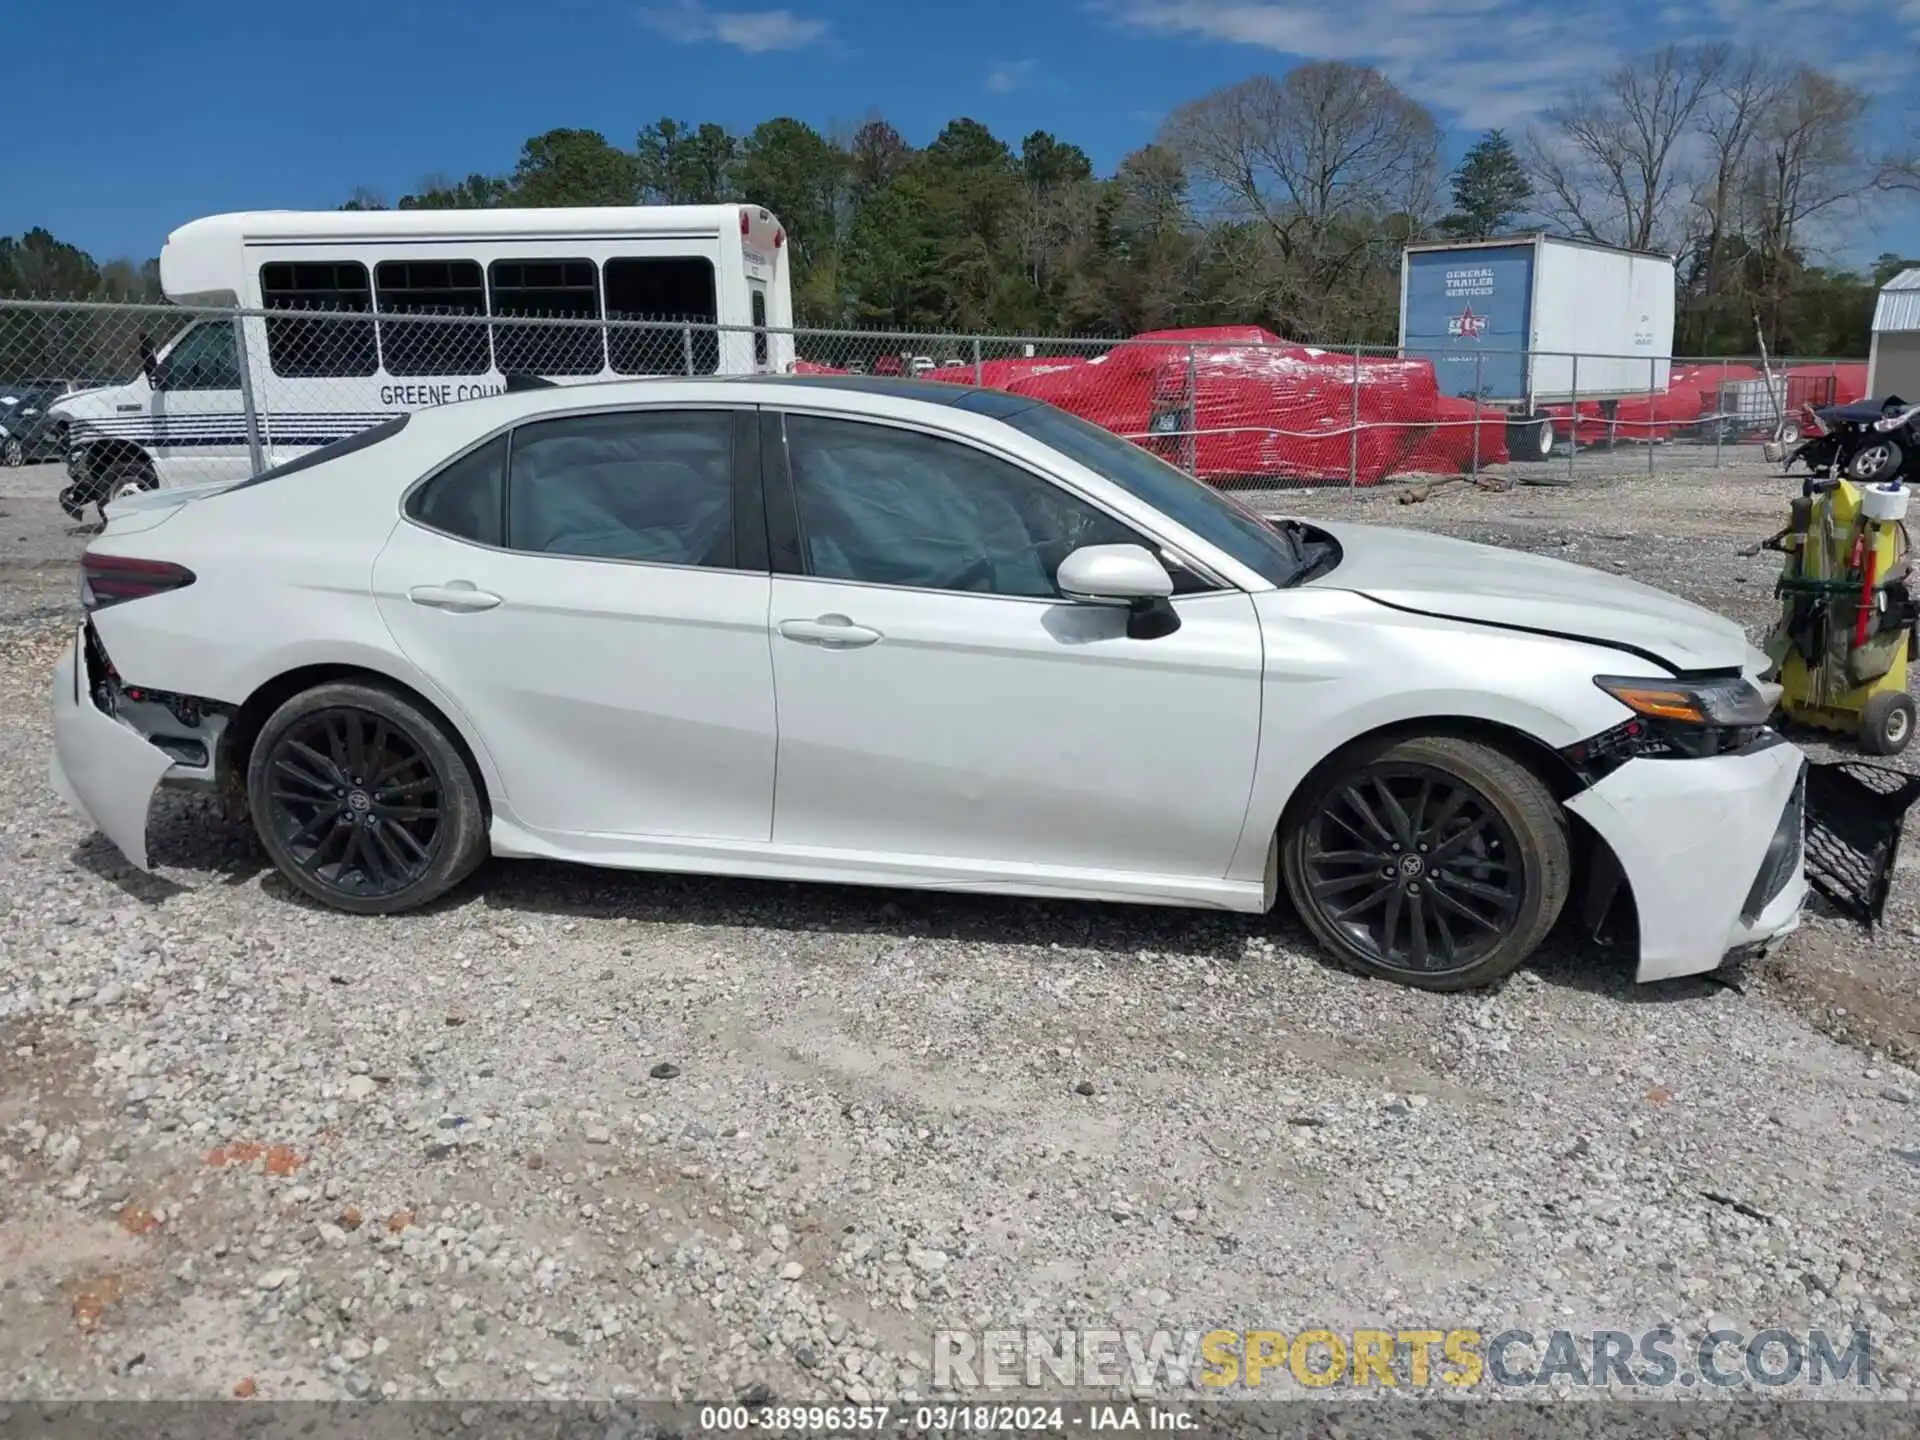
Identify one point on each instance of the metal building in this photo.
(1893, 362)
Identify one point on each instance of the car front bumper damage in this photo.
(1711, 850)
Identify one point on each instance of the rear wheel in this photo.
(363, 801)
(1437, 862)
(125, 477)
(1531, 439)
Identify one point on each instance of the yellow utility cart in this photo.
(1847, 622)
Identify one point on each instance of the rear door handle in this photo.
(834, 632)
(458, 595)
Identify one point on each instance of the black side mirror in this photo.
(148, 364)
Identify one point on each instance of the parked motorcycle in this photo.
(1868, 442)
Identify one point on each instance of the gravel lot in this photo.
(588, 1134)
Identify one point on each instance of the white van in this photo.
(684, 269)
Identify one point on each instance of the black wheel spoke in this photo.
(1357, 803)
(1413, 867)
(1417, 929)
(356, 801)
(320, 763)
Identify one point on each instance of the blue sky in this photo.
(134, 118)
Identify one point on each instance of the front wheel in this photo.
(127, 478)
(1875, 461)
(1886, 723)
(13, 454)
(363, 801)
(1437, 862)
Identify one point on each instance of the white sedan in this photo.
(892, 633)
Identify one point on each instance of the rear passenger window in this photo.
(432, 287)
(653, 486)
(675, 293)
(548, 290)
(760, 328)
(318, 348)
(465, 500)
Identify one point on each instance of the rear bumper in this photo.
(100, 767)
(1711, 850)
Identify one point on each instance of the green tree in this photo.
(685, 165)
(574, 167)
(476, 192)
(1887, 265)
(1490, 190)
(38, 265)
(794, 171)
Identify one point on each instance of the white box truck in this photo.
(1528, 321)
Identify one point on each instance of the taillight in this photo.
(109, 579)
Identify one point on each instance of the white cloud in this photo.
(1009, 75)
(1496, 62)
(757, 32)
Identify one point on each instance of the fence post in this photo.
(686, 345)
(256, 453)
(979, 374)
(1477, 388)
(1190, 442)
(1353, 435)
(1573, 414)
(1719, 413)
(1653, 368)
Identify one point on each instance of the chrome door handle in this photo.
(834, 632)
(457, 595)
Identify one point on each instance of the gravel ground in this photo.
(575, 1133)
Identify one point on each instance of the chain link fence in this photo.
(128, 396)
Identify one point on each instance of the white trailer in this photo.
(1528, 321)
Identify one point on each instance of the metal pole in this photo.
(1475, 471)
(1353, 436)
(1573, 415)
(1652, 370)
(1719, 414)
(256, 453)
(686, 345)
(1190, 445)
(979, 375)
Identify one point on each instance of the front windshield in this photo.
(1214, 517)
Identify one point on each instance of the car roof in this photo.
(979, 399)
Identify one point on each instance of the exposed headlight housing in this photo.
(1676, 720)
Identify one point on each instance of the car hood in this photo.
(1487, 585)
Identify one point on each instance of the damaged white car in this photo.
(891, 633)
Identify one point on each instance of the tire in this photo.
(329, 829)
(1875, 461)
(1886, 723)
(12, 453)
(72, 503)
(129, 477)
(1530, 439)
(1789, 434)
(1505, 823)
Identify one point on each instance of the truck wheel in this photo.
(1530, 439)
(1886, 724)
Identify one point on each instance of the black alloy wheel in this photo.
(356, 802)
(1435, 861)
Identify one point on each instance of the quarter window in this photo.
(676, 295)
(432, 287)
(548, 290)
(887, 506)
(315, 348)
(652, 486)
(467, 499)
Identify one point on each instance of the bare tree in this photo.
(1317, 161)
(1613, 164)
(1745, 89)
(1807, 169)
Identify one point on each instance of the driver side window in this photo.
(886, 506)
(204, 358)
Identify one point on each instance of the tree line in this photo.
(1282, 201)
